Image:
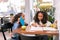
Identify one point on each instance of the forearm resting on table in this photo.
(42, 25)
(35, 24)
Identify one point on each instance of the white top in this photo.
(47, 24)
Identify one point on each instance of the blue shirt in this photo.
(22, 21)
(15, 26)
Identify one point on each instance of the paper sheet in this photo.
(49, 28)
(42, 28)
(36, 28)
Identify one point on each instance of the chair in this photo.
(3, 33)
(28, 37)
(5, 27)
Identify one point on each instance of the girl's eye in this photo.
(40, 16)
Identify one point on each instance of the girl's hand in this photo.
(43, 25)
(35, 24)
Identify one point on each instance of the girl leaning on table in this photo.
(17, 24)
(41, 20)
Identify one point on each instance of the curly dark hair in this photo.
(45, 17)
(16, 17)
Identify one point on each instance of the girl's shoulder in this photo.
(48, 22)
(32, 22)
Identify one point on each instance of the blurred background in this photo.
(29, 7)
(8, 7)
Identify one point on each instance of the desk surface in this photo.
(20, 31)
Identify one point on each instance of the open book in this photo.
(49, 28)
(36, 28)
(42, 28)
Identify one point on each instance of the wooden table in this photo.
(55, 34)
(20, 31)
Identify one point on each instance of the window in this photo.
(11, 6)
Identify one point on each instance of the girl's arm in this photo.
(43, 25)
(34, 24)
(46, 24)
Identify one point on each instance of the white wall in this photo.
(57, 13)
(27, 11)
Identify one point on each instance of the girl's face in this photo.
(40, 16)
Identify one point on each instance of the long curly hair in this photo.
(45, 17)
(16, 17)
